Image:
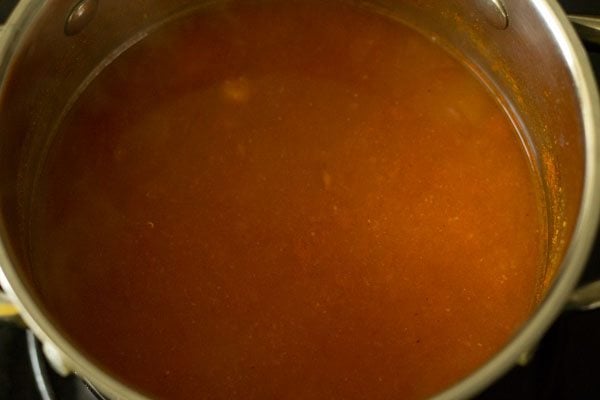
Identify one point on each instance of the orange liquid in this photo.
(295, 200)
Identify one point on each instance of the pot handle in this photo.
(585, 298)
(587, 27)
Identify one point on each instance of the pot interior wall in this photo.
(522, 63)
(526, 68)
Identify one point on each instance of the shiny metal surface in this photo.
(571, 51)
(585, 298)
(587, 27)
(537, 64)
(494, 12)
(81, 15)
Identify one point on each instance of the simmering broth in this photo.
(290, 200)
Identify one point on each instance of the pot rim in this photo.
(584, 233)
(525, 339)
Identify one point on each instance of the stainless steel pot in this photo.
(527, 49)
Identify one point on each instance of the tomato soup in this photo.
(288, 200)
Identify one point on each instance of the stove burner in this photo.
(49, 384)
(563, 367)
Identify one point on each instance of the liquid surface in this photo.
(288, 201)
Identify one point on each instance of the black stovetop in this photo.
(565, 365)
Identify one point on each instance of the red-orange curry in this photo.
(288, 200)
